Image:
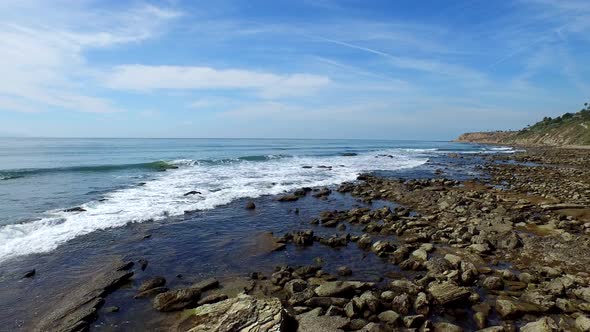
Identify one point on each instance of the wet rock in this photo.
(322, 193)
(381, 248)
(344, 271)
(313, 321)
(250, 205)
(446, 327)
(213, 298)
(192, 192)
(390, 317)
(337, 288)
(387, 296)
(75, 209)
(111, 309)
(334, 311)
(243, 313)
(446, 292)
(493, 283)
(288, 198)
(480, 319)
(512, 308)
(205, 285)
(303, 238)
(365, 242)
(454, 260)
(367, 301)
(545, 324)
(29, 274)
(177, 299)
(80, 306)
(151, 292)
(357, 324)
(405, 286)
(152, 283)
(143, 263)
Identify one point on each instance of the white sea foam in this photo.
(219, 184)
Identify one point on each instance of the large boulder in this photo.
(242, 313)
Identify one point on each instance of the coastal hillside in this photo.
(567, 129)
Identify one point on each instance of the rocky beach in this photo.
(504, 250)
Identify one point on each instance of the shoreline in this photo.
(507, 250)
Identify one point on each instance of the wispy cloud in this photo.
(268, 85)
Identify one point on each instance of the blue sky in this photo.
(293, 69)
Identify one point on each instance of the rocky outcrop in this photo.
(491, 137)
(243, 313)
(79, 308)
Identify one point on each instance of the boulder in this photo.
(545, 324)
(313, 321)
(446, 327)
(511, 308)
(446, 292)
(493, 283)
(389, 317)
(242, 313)
(583, 323)
(152, 283)
(177, 299)
(250, 205)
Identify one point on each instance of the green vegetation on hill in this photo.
(568, 129)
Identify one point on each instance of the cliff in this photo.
(568, 129)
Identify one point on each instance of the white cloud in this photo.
(43, 62)
(268, 85)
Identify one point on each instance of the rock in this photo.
(420, 254)
(481, 248)
(213, 298)
(357, 324)
(381, 248)
(545, 324)
(177, 299)
(313, 321)
(303, 238)
(453, 259)
(405, 286)
(152, 283)
(583, 323)
(446, 292)
(192, 192)
(414, 321)
(79, 307)
(497, 328)
(344, 271)
(250, 205)
(29, 274)
(421, 304)
(401, 304)
(583, 293)
(295, 286)
(288, 198)
(206, 284)
(151, 292)
(387, 296)
(367, 301)
(242, 313)
(480, 319)
(111, 309)
(75, 209)
(336, 288)
(390, 317)
(446, 327)
(364, 242)
(322, 193)
(143, 263)
(511, 308)
(493, 283)
(301, 297)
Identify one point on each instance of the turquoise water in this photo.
(122, 181)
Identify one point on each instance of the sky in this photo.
(374, 69)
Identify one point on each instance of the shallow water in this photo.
(207, 240)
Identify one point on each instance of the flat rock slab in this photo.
(242, 313)
(447, 292)
(79, 308)
(338, 288)
(511, 308)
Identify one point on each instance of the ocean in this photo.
(122, 181)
